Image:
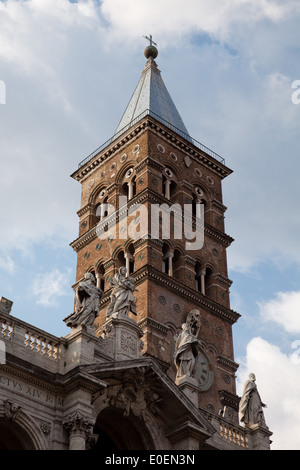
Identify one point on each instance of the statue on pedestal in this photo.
(122, 300)
(186, 347)
(251, 406)
(87, 303)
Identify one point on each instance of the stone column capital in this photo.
(80, 429)
(77, 423)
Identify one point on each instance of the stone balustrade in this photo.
(30, 343)
(228, 435)
(233, 435)
(6, 329)
(43, 345)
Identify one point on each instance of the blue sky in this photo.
(70, 69)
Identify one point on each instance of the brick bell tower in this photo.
(152, 161)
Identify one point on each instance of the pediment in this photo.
(145, 386)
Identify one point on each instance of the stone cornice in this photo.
(29, 373)
(189, 148)
(186, 185)
(223, 280)
(149, 322)
(112, 187)
(177, 287)
(218, 205)
(227, 363)
(84, 209)
(82, 241)
(189, 261)
(149, 162)
(167, 134)
(108, 151)
(228, 399)
(144, 197)
(186, 430)
(147, 272)
(216, 234)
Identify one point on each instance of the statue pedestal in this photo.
(189, 386)
(258, 437)
(125, 335)
(81, 346)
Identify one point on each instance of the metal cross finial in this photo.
(150, 40)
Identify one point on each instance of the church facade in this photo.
(148, 363)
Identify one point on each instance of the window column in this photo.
(130, 190)
(202, 281)
(167, 189)
(168, 260)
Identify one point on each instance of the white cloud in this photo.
(69, 70)
(278, 382)
(262, 194)
(284, 309)
(36, 37)
(42, 127)
(54, 108)
(49, 287)
(7, 264)
(31, 29)
(196, 16)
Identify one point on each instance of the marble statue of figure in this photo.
(193, 319)
(186, 350)
(87, 302)
(251, 406)
(122, 300)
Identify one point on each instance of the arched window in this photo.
(208, 281)
(126, 258)
(169, 183)
(203, 279)
(101, 206)
(129, 259)
(121, 261)
(97, 213)
(104, 208)
(101, 210)
(177, 264)
(198, 199)
(199, 278)
(167, 256)
(100, 277)
(128, 187)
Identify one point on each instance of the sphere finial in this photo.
(151, 50)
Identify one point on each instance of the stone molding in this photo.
(203, 301)
(150, 123)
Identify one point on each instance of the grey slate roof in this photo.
(151, 95)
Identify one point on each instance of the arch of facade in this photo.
(121, 428)
(18, 431)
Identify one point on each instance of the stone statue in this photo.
(122, 300)
(87, 303)
(251, 406)
(193, 319)
(186, 347)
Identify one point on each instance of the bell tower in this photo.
(153, 178)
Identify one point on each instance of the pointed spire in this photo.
(151, 96)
